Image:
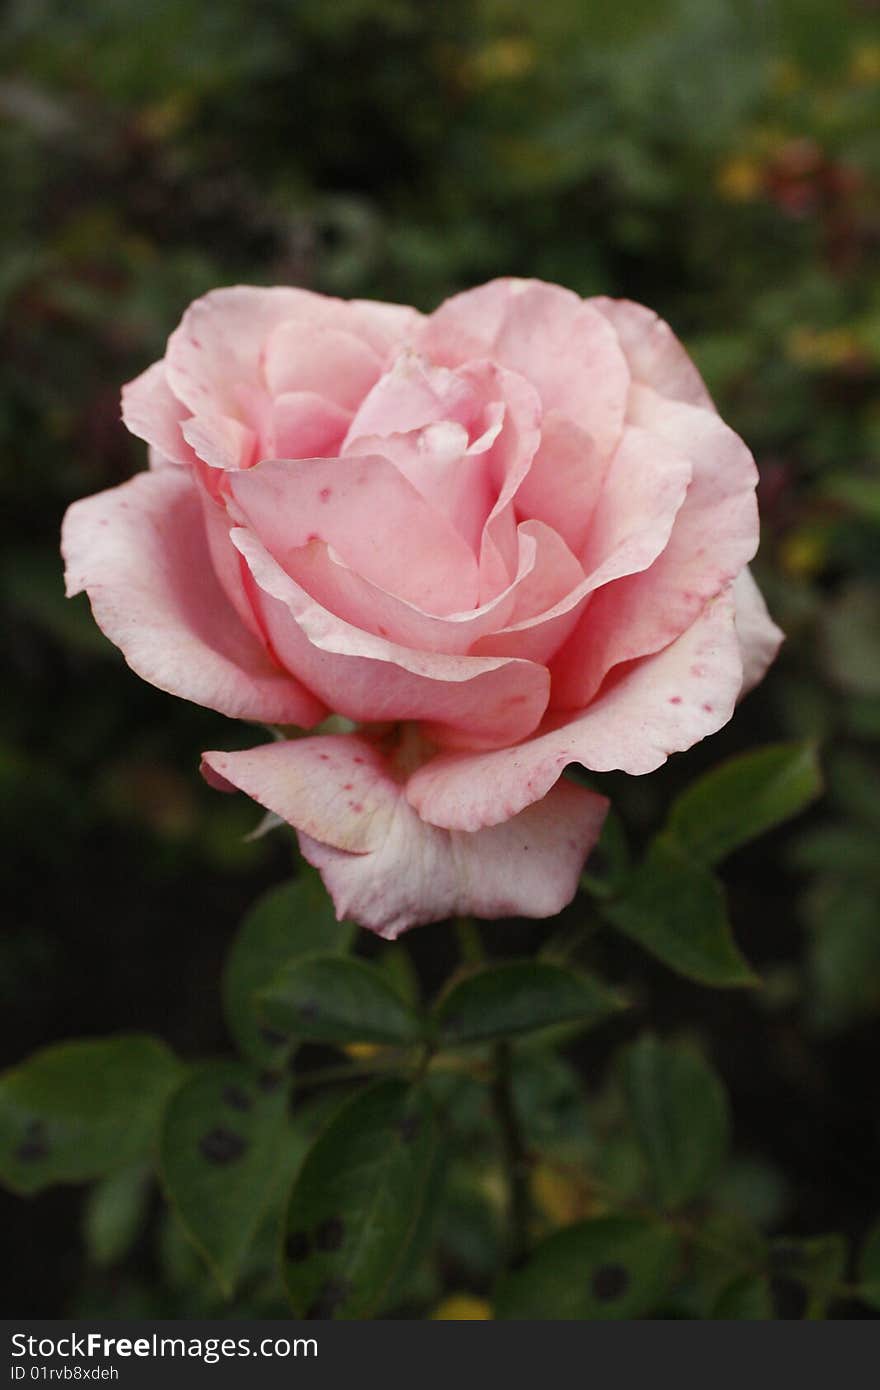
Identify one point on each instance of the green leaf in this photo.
(227, 1145)
(675, 908)
(336, 999)
(519, 997)
(680, 1116)
(114, 1212)
(294, 920)
(818, 1263)
(746, 1299)
(614, 1267)
(869, 1268)
(612, 855)
(78, 1110)
(744, 797)
(357, 1202)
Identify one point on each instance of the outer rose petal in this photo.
(658, 706)
(655, 356)
(215, 358)
(141, 553)
(714, 536)
(399, 872)
(759, 637)
(151, 410)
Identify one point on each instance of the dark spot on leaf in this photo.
(297, 1246)
(330, 1296)
(330, 1234)
(269, 1080)
(34, 1145)
(273, 1037)
(409, 1126)
(237, 1098)
(222, 1145)
(610, 1282)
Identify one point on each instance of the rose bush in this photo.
(503, 538)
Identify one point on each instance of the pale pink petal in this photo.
(217, 353)
(304, 425)
(644, 490)
(655, 356)
(332, 364)
(374, 519)
(324, 575)
(508, 461)
(394, 871)
(388, 328)
(140, 552)
(410, 396)
(759, 637)
(714, 536)
(229, 567)
(469, 701)
(562, 345)
(565, 480)
(446, 469)
(220, 441)
(152, 412)
(547, 570)
(656, 707)
(334, 787)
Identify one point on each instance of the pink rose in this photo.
(503, 538)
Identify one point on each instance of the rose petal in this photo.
(333, 364)
(655, 356)
(714, 536)
(140, 552)
(372, 517)
(644, 489)
(304, 425)
(759, 637)
(659, 706)
(220, 441)
(565, 480)
(472, 701)
(217, 352)
(547, 334)
(394, 871)
(152, 412)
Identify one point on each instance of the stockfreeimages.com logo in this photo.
(94, 1345)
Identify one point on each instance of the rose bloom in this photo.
(503, 538)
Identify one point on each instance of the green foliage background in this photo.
(717, 159)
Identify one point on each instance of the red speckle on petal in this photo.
(698, 671)
(196, 344)
(312, 536)
(708, 708)
(675, 699)
(325, 494)
(348, 786)
(356, 806)
(325, 757)
(357, 760)
(382, 631)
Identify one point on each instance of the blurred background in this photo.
(716, 159)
